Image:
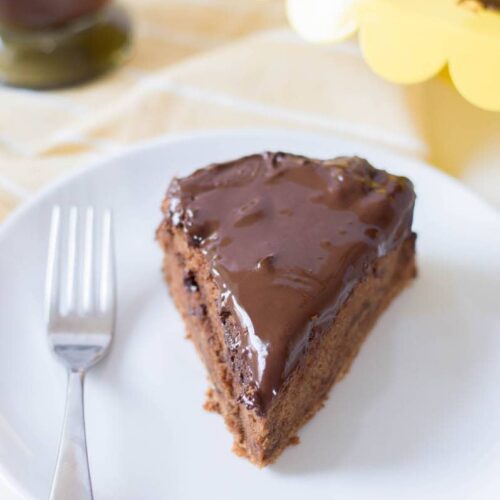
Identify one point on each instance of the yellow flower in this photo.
(409, 41)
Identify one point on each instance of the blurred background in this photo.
(186, 65)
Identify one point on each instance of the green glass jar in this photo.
(55, 43)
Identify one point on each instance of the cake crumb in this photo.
(239, 450)
(211, 403)
(294, 440)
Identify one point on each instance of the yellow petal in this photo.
(322, 20)
(401, 45)
(474, 63)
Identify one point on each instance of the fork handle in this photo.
(72, 476)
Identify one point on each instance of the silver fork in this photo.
(80, 306)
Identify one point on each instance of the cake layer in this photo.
(285, 241)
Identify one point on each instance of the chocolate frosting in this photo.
(287, 239)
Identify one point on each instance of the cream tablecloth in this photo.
(201, 64)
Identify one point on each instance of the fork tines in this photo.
(80, 274)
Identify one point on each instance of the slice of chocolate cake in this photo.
(280, 265)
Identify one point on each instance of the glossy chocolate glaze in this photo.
(287, 239)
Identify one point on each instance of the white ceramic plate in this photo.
(417, 417)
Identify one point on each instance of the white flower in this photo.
(323, 20)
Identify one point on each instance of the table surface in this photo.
(204, 64)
